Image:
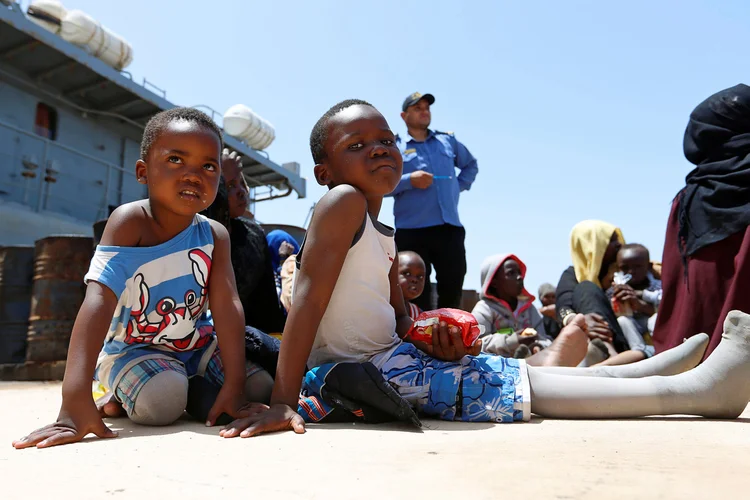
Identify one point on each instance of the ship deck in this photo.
(666, 458)
(36, 59)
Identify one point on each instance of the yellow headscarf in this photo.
(588, 244)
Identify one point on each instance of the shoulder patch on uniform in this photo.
(409, 151)
(444, 133)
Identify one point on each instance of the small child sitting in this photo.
(642, 293)
(411, 276)
(506, 310)
(144, 330)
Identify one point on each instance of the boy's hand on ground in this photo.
(597, 327)
(70, 427)
(278, 417)
(421, 179)
(234, 404)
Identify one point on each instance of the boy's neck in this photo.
(513, 302)
(168, 224)
(418, 134)
(374, 203)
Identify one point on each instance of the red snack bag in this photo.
(428, 321)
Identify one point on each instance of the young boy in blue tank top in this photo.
(151, 280)
(348, 306)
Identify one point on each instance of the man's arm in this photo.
(565, 289)
(466, 162)
(403, 185)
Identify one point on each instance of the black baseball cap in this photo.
(415, 98)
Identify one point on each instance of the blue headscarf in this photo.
(275, 238)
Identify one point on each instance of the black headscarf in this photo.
(253, 272)
(715, 203)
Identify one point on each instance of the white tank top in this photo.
(360, 323)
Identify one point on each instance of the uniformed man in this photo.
(426, 200)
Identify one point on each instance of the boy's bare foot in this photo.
(568, 349)
(108, 406)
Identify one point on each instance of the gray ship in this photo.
(70, 129)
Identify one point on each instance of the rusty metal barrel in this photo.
(60, 263)
(16, 269)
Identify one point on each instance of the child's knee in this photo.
(258, 387)
(161, 400)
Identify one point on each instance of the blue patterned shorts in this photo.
(475, 389)
(133, 379)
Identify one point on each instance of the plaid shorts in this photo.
(132, 381)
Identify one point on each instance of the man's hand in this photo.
(421, 179)
(71, 426)
(597, 328)
(550, 311)
(278, 417)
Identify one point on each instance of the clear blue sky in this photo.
(573, 109)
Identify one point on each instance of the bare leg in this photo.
(258, 387)
(717, 389)
(624, 358)
(596, 353)
(676, 360)
(568, 349)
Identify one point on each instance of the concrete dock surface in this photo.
(660, 458)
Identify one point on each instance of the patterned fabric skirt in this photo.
(484, 388)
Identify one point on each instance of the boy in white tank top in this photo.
(348, 307)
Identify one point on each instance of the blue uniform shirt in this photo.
(440, 154)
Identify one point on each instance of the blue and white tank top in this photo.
(162, 299)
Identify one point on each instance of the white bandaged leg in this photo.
(676, 360)
(717, 388)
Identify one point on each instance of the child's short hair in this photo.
(159, 122)
(411, 255)
(637, 246)
(319, 133)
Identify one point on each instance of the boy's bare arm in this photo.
(337, 217)
(229, 324)
(78, 414)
